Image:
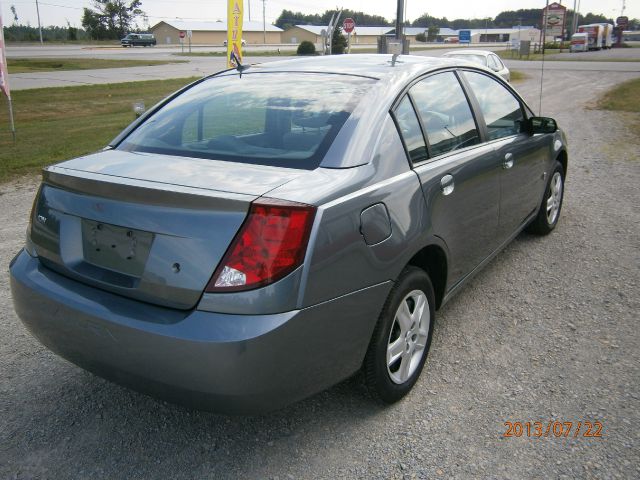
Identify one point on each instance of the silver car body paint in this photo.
(260, 349)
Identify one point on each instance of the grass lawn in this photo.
(55, 124)
(28, 65)
(517, 76)
(625, 97)
(509, 55)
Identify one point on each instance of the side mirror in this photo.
(541, 125)
(138, 108)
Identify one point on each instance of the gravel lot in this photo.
(548, 331)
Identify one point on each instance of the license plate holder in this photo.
(120, 249)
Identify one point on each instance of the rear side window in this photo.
(501, 110)
(284, 119)
(411, 131)
(445, 113)
(498, 62)
(492, 63)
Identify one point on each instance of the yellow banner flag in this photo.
(235, 12)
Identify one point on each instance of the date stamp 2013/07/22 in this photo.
(554, 429)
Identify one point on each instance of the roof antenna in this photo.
(239, 67)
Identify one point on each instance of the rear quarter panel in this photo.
(339, 261)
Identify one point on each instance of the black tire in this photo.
(543, 224)
(388, 332)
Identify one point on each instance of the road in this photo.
(201, 66)
(548, 331)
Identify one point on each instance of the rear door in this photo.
(522, 157)
(459, 174)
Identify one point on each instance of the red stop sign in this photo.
(181, 34)
(348, 25)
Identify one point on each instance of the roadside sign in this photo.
(181, 34)
(348, 25)
(553, 18)
(622, 22)
(464, 36)
(189, 33)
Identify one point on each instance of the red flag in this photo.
(4, 73)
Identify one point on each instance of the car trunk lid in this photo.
(148, 227)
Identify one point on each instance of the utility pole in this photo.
(399, 17)
(545, 19)
(519, 29)
(264, 23)
(39, 26)
(249, 5)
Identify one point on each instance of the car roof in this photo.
(368, 65)
(470, 52)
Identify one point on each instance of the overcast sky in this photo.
(57, 12)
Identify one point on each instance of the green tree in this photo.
(27, 33)
(338, 41)
(111, 19)
(361, 18)
(511, 18)
(72, 32)
(425, 20)
(288, 18)
(306, 48)
(432, 33)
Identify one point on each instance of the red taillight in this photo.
(270, 244)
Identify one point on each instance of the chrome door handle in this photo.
(508, 161)
(447, 184)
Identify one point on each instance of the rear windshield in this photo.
(284, 119)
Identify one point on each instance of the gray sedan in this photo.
(261, 235)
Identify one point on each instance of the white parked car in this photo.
(482, 57)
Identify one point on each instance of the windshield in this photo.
(479, 59)
(285, 119)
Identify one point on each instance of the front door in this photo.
(522, 157)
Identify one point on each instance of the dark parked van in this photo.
(133, 39)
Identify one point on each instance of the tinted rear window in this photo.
(286, 119)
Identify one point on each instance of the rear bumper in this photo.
(220, 362)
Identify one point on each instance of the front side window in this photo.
(501, 110)
(445, 113)
(284, 119)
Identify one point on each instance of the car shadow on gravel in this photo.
(74, 414)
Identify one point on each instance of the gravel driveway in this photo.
(548, 331)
